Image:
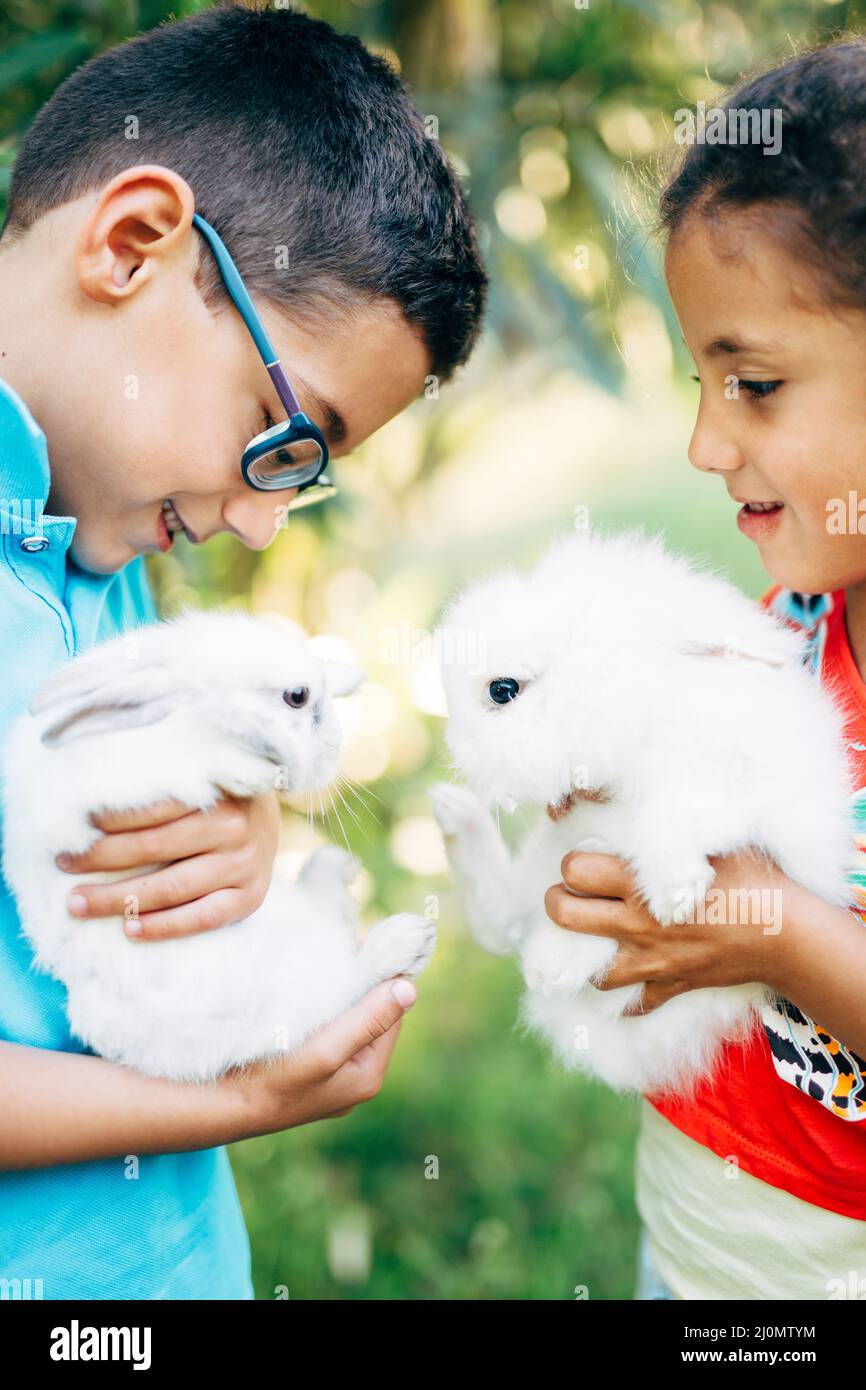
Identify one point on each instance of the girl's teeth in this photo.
(762, 506)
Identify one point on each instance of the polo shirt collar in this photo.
(25, 477)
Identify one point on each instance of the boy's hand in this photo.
(341, 1066)
(218, 866)
(738, 938)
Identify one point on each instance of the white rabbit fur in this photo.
(665, 689)
(189, 709)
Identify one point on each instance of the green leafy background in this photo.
(560, 121)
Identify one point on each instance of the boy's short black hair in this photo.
(303, 150)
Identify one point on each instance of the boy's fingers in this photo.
(143, 816)
(380, 1049)
(170, 887)
(599, 875)
(360, 1078)
(219, 909)
(158, 844)
(365, 1024)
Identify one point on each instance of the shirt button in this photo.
(32, 544)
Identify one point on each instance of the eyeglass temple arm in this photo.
(245, 307)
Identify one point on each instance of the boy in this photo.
(303, 152)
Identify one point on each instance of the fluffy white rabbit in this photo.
(659, 715)
(206, 704)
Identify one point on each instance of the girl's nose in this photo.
(714, 447)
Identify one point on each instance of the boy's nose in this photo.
(255, 517)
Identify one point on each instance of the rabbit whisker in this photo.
(339, 819)
(356, 787)
(356, 791)
(350, 811)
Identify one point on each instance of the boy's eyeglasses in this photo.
(291, 454)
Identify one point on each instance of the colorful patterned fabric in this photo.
(804, 1053)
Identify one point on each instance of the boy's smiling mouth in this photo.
(168, 525)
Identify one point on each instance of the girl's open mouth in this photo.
(759, 519)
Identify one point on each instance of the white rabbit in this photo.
(662, 716)
(208, 703)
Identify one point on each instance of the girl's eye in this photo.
(758, 390)
(504, 690)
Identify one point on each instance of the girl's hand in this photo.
(218, 866)
(738, 936)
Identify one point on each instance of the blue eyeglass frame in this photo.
(299, 427)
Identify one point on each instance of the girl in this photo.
(755, 1186)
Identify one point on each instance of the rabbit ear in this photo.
(91, 674)
(101, 695)
(736, 650)
(86, 719)
(341, 678)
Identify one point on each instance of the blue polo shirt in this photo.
(169, 1225)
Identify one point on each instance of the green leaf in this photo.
(29, 59)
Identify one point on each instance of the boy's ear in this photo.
(141, 215)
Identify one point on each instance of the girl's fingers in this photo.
(598, 875)
(595, 916)
(632, 966)
(655, 993)
(178, 838)
(176, 884)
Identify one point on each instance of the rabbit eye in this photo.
(298, 697)
(503, 690)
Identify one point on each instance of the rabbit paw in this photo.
(456, 809)
(674, 897)
(399, 945)
(326, 876)
(593, 844)
(328, 867)
(558, 963)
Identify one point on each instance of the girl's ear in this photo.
(341, 678)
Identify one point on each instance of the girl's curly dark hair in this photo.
(815, 185)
